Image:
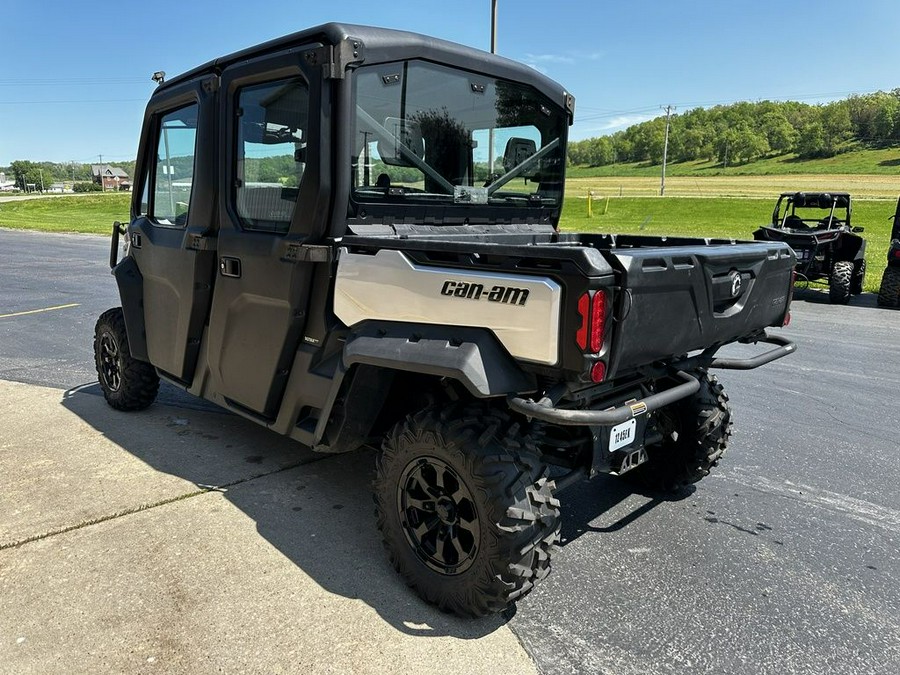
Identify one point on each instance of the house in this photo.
(110, 177)
(6, 184)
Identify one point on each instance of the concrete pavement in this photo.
(186, 540)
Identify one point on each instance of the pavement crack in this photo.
(202, 490)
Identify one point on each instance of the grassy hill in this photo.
(882, 161)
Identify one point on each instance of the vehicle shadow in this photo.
(315, 509)
(819, 296)
(587, 501)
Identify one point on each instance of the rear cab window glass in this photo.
(271, 153)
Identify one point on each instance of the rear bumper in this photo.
(688, 384)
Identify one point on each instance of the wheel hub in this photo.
(438, 515)
(110, 362)
(446, 510)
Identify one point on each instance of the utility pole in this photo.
(662, 181)
(100, 171)
(493, 51)
(41, 171)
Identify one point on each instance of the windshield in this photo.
(427, 133)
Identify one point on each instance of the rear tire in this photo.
(465, 507)
(889, 293)
(699, 430)
(127, 384)
(839, 282)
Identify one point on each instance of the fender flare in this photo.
(131, 293)
(472, 356)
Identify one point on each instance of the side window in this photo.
(174, 174)
(271, 153)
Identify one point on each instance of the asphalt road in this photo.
(785, 560)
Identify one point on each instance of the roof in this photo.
(108, 170)
(380, 45)
(821, 200)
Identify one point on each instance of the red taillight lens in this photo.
(584, 304)
(598, 320)
(787, 319)
(897, 253)
(598, 371)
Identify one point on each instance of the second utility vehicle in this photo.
(889, 292)
(349, 235)
(817, 227)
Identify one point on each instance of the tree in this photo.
(778, 131)
(811, 142)
(29, 173)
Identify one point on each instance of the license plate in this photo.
(622, 435)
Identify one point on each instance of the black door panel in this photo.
(177, 278)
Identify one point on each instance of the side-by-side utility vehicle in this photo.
(817, 226)
(349, 235)
(889, 291)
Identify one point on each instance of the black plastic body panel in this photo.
(471, 356)
(680, 298)
(131, 293)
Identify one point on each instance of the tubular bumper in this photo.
(704, 360)
(544, 409)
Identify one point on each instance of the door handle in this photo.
(230, 267)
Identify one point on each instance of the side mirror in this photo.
(858, 229)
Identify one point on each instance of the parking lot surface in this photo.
(182, 538)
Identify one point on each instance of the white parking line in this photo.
(38, 311)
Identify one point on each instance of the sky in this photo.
(75, 77)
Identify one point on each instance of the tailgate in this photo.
(688, 298)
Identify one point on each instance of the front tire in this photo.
(839, 282)
(889, 293)
(127, 384)
(698, 430)
(465, 507)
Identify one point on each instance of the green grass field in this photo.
(684, 216)
(88, 213)
(719, 218)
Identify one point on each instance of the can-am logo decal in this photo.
(508, 295)
(735, 284)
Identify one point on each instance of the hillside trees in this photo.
(742, 132)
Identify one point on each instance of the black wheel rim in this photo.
(110, 362)
(438, 515)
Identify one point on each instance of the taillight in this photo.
(584, 304)
(598, 320)
(592, 310)
(590, 335)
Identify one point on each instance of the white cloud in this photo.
(548, 58)
(590, 130)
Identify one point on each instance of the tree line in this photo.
(742, 132)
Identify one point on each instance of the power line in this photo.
(662, 180)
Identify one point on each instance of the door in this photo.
(272, 203)
(174, 212)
